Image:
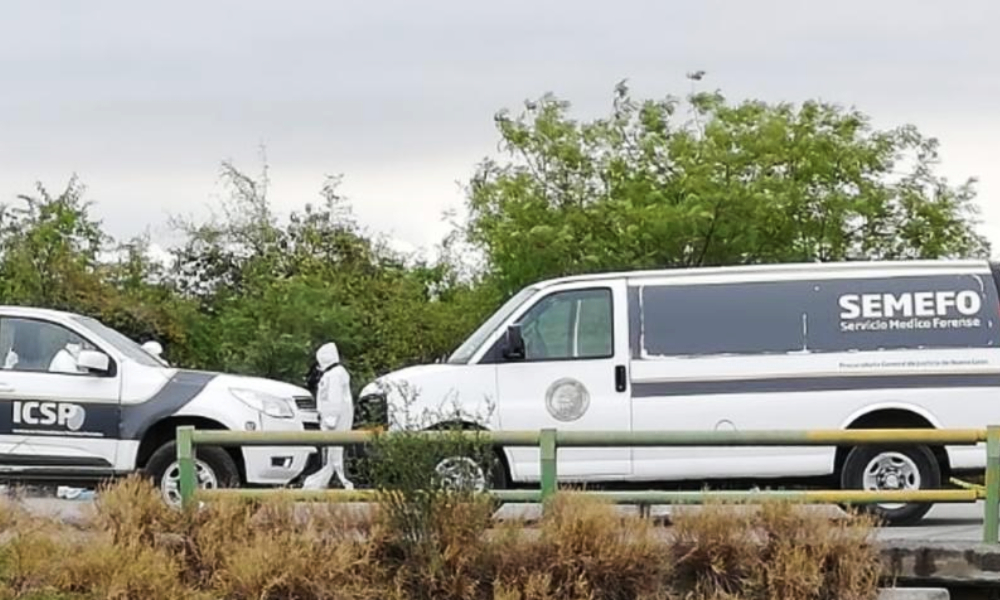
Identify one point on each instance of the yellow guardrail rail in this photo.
(550, 440)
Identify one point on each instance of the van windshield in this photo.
(464, 352)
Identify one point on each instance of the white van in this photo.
(808, 346)
(81, 403)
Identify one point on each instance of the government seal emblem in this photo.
(567, 400)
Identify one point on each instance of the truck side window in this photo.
(30, 345)
(569, 325)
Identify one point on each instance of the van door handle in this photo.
(620, 380)
(6, 388)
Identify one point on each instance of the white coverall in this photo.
(65, 360)
(336, 413)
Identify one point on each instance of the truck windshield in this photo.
(130, 349)
(464, 352)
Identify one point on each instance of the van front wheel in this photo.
(890, 468)
(475, 474)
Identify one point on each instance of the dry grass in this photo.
(773, 553)
(136, 548)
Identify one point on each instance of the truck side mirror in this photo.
(513, 346)
(94, 361)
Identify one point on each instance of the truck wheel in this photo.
(214, 468)
(887, 468)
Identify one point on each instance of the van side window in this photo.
(744, 318)
(39, 346)
(569, 325)
(834, 315)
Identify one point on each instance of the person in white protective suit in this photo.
(336, 413)
(65, 360)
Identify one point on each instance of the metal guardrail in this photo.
(550, 440)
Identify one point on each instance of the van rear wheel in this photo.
(891, 468)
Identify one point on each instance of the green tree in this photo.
(49, 249)
(54, 254)
(739, 183)
(247, 291)
(139, 299)
(272, 290)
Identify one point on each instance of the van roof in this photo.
(895, 266)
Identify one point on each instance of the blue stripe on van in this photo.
(813, 384)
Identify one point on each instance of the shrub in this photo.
(582, 549)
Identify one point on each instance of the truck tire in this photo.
(892, 468)
(214, 467)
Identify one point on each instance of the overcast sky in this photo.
(144, 100)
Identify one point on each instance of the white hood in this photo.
(268, 386)
(327, 356)
(410, 376)
(421, 396)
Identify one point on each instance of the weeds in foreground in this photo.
(136, 548)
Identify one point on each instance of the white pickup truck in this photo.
(81, 403)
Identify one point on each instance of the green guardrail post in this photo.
(547, 447)
(991, 520)
(185, 464)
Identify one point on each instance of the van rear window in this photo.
(831, 315)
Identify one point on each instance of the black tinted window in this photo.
(958, 311)
(721, 319)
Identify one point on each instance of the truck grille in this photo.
(305, 402)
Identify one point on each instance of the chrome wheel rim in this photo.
(461, 473)
(170, 483)
(891, 471)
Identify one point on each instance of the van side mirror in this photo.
(513, 346)
(93, 361)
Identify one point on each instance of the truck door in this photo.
(53, 422)
(573, 376)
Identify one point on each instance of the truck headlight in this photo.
(272, 406)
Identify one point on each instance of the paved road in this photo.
(945, 523)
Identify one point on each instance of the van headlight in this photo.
(373, 410)
(272, 406)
